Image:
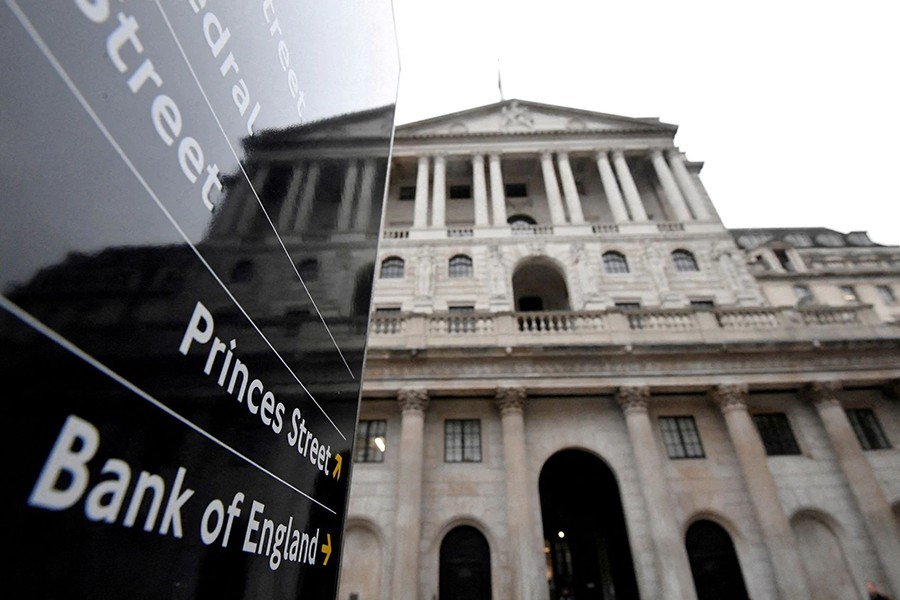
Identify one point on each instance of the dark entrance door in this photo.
(714, 563)
(584, 530)
(465, 565)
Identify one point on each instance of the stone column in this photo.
(688, 187)
(869, 495)
(420, 210)
(611, 187)
(250, 208)
(773, 521)
(439, 193)
(557, 214)
(570, 190)
(366, 193)
(289, 203)
(523, 546)
(673, 195)
(307, 197)
(348, 196)
(498, 196)
(632, 198)
(408, 529)
(671, 554)
(479, 190)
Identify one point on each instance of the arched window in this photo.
(461, 266)
(242, 272)
(714, 563)
(392, 268)
(684, 261)
(614, 262)
(309, 270)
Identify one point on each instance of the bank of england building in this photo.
(580, 383)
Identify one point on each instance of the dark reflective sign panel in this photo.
(191, 194)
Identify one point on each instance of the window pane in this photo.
(369, 434)
(776, 434)
(462, 440)
(461, 266)
(614, 262)
(868, 429)
(407, 192)
(681, 437)
(684, 261)
(392, 268)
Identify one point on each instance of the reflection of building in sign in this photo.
(273, 309)
(645, 380)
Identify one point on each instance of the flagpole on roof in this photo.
(499, 82)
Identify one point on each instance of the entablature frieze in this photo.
(533, 147)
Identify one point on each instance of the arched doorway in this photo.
(588, 555)
(539, 285)
(465, 572)
(714, 563)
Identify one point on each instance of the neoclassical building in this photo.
(580, 384)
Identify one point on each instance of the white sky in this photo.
(792, 105)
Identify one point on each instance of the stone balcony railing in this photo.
(641, 326)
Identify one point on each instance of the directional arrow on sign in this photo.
(336, 473)
(326, 550)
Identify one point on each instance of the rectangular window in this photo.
(462, 440)
(461, 319)
(868, 429)
(703, 304)
(681, 437)
(776, 434)
(407, 192)
(460, 192)
(804, 295)
(886, 293)
(515, 190)
(370, 441)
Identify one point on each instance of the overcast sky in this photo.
(791, 105)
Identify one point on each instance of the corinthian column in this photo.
(408, 529)
(688, 187)
(525, 544)
(498, 196)
(439, 194)
(751, 454)
(366, 196)
(420, 210)
(673, 195)
(289, 202)
(570, 190)
(557, 214)
(869, 495)
(632, 197)
(348, 196)
(479, 189)
(611, 187)
(307, 197)
(671, 555)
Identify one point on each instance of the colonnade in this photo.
(564, 203)
(291, 213)
(673, 569)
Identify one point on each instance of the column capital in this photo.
(654, 152)
(822, 393)
(477, 156)
(546, 154)
(510, 400)
(617, 152)
(729, 397)
(633, 399)
(674, 153)
(414, 400)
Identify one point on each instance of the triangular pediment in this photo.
(513, 117)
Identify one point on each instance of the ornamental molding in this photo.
(510, 400)
(633, 399)
(823, 393)
(730, 397)
(413, 400)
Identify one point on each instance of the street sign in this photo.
(191, 201)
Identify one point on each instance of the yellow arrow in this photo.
(326, 550)
(337, 468)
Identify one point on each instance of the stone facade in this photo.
(583, 382)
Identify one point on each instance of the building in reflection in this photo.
(294, 280)
(579, 383)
